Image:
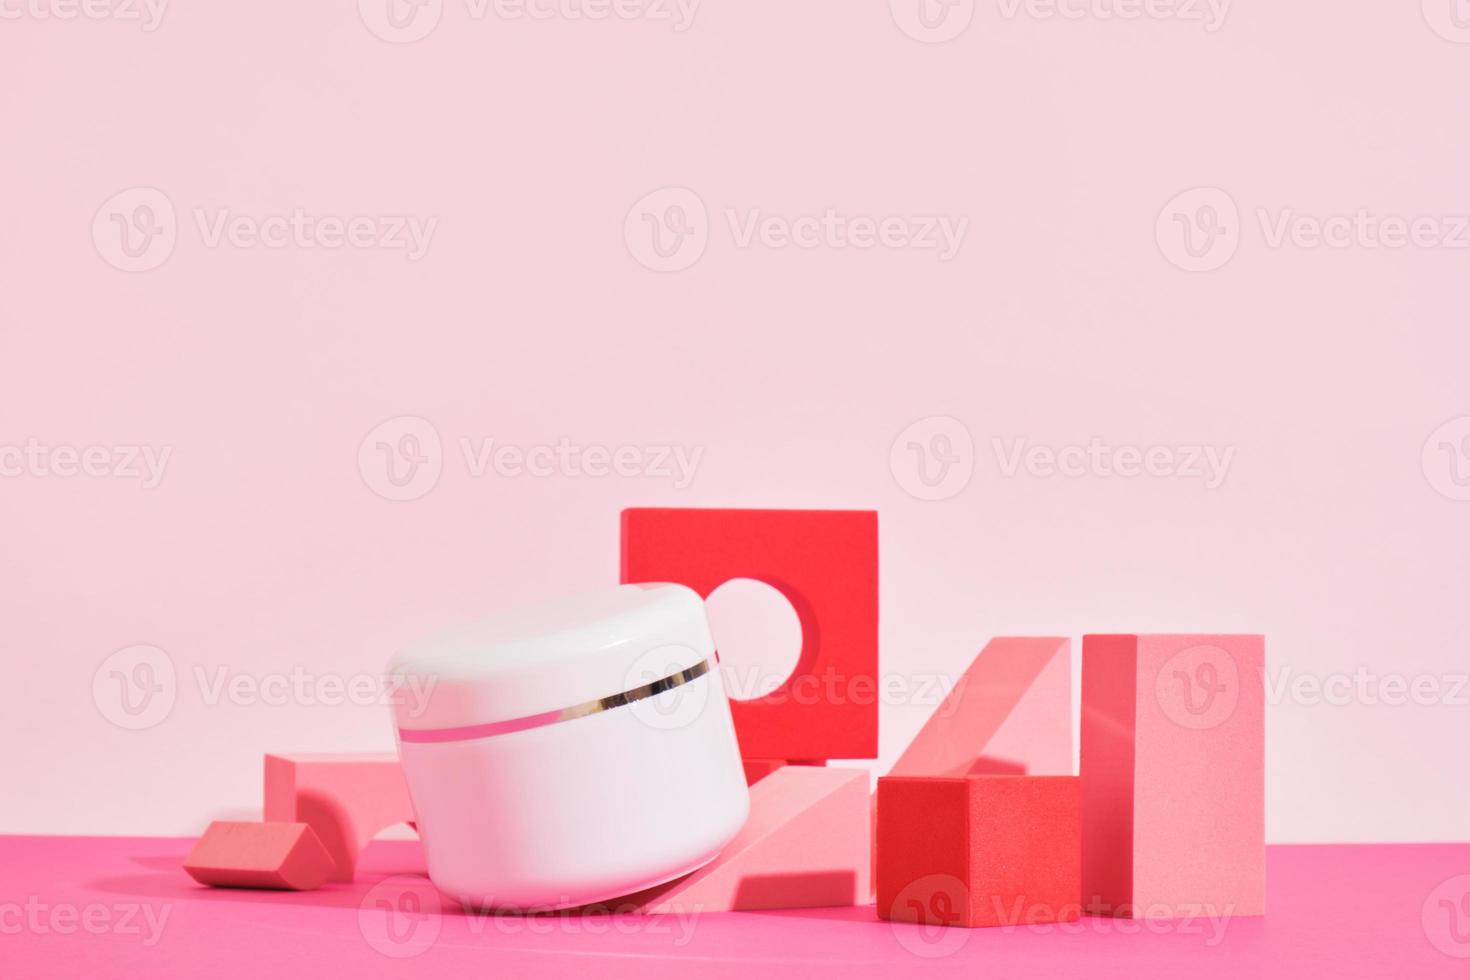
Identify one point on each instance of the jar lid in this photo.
(518, 668)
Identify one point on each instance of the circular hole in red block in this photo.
(758, 635)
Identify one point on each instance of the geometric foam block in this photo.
(760, 768)
(804, 845)
(979, 850)
(236, 854)
(1010, 713)
(825, 563)
(1173, 788)
(346, 798)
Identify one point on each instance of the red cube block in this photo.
(979, 850)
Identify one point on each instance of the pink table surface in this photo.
(87, 907)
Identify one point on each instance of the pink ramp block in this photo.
(347, 799)
(1010, 713)
(805, 845)
(1173, 791)
(757, 769)
(259, 855)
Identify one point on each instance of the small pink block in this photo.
(347, 799)
(235, 854)
(1010, 713)
(1173, 787)
(806, 844)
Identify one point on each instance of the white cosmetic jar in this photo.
(570, 752)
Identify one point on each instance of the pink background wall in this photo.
(1141, 252)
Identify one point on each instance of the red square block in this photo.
(979, 850)
(1173, 786)
(825, 563)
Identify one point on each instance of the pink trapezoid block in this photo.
(1173, 788)
(805, 845)
(346, 798)
(238, 854)
(979, 850)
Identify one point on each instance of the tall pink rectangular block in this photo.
(1173, 788)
